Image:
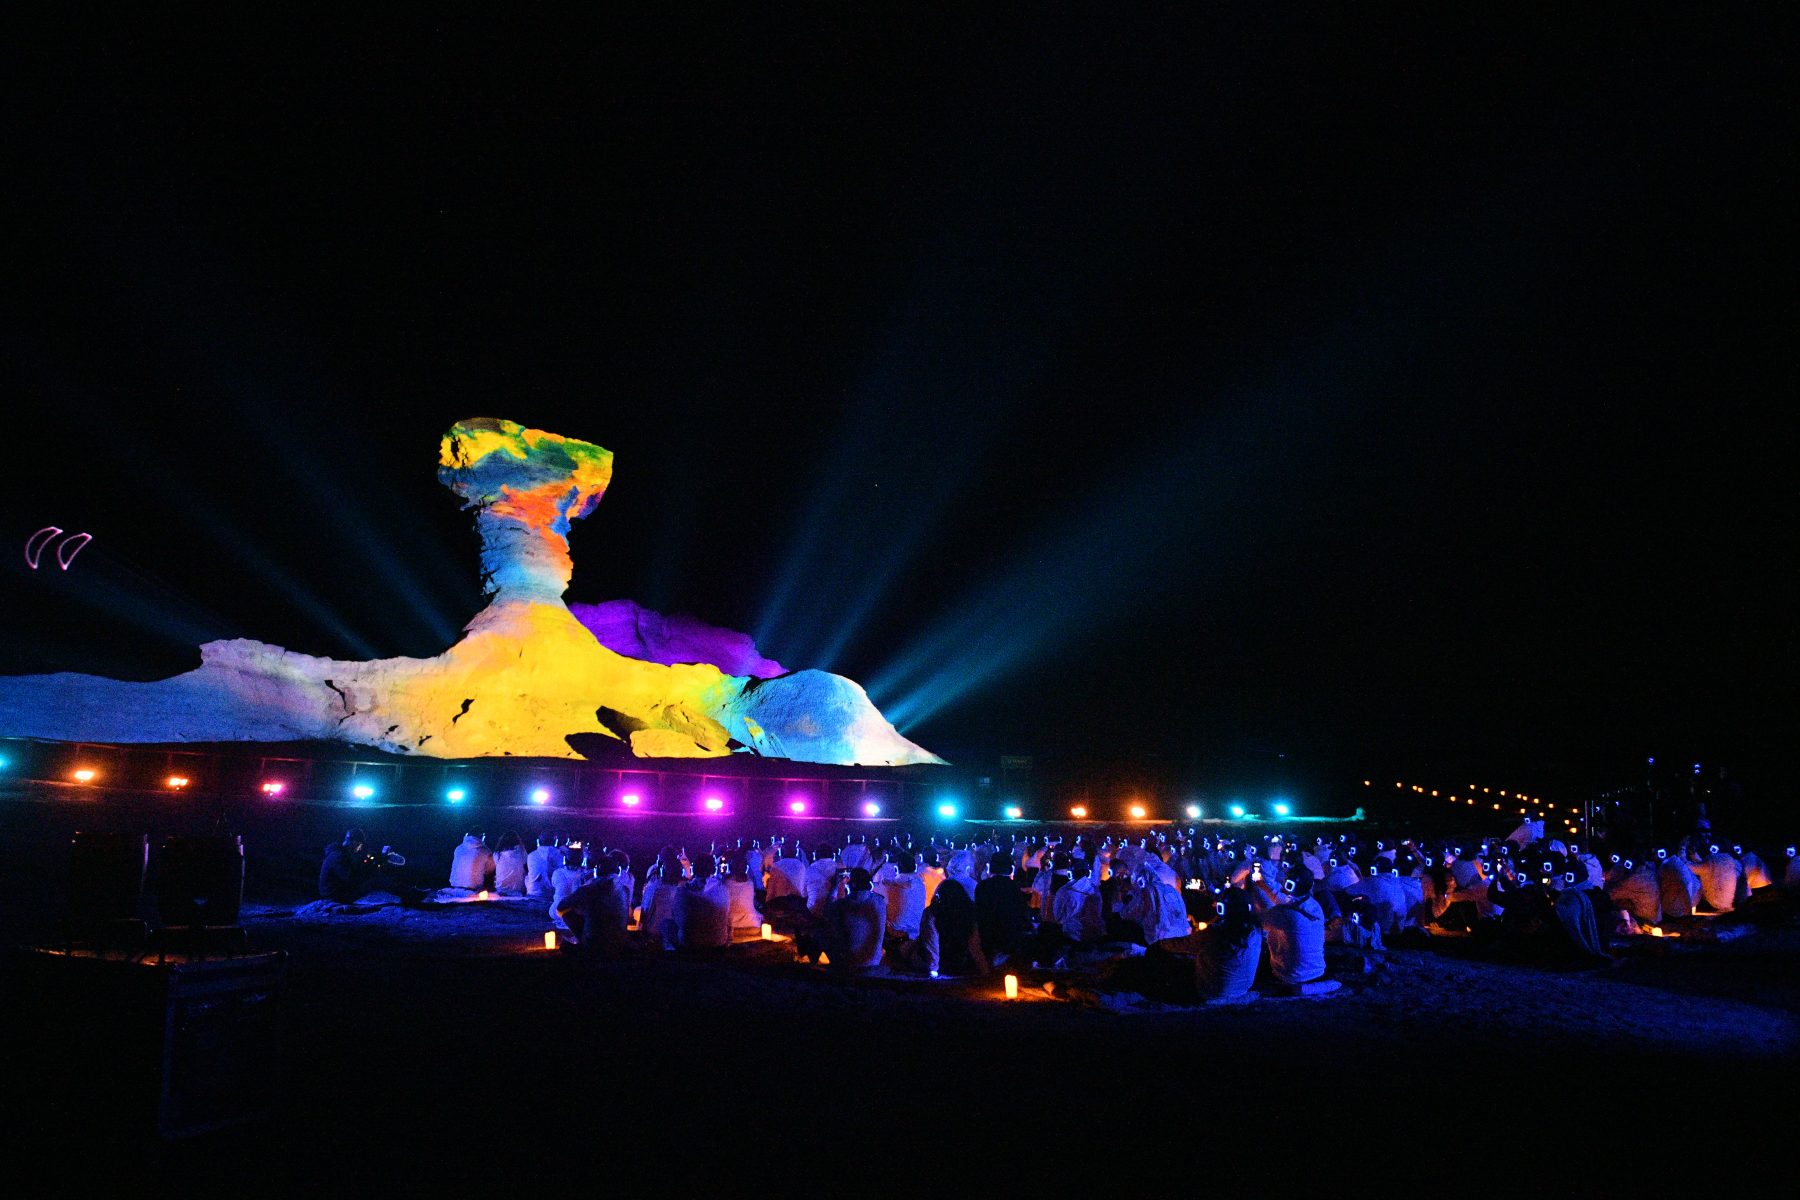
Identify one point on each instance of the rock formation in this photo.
(527, 674)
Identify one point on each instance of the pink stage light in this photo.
(631, 799)
(714, 804)
(871, 809)
(796, 806)
(273, 787)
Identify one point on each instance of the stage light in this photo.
(1366, 783)
(1014, 812)
(1079, 812)
(273, 787)
(946, 811)
(362, 791)
(176, 782)
(1193, 812)
(714, 804)
(1237, 810)
(871, 809)
(631, 799)
(1137, 812)
(796, 806)
(455, 795)
(540, 795)
(1282, 810)
(84, 775)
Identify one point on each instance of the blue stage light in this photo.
(1282, 810)
(455, 795)
(362, 791)
(946, 811)
(540, 795)
(1193, 812)
(1014, 812)
(1237, 810)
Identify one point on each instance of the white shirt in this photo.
(787, 877)
(905, 895)
(863, 920)
(509, 872)
(1077, 908)
(1720, 876)
(740, 899)
(1295, 934)
(659, 910)
(470, 864)
(563, 884)
(821, 873)
(1157, 909)
(931, 877)
(539, 865)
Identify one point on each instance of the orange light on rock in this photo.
(549, 939)
(1012, 987)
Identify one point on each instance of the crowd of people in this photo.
(1181, 914)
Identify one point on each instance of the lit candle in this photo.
(824, 959)
(549, 939)
(768, 932)
(481, 895)
(1012, 987)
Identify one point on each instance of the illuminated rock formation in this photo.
(636, 632)
(526, 675)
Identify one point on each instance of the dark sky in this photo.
(1412, 390)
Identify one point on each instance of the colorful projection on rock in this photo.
(527, 675)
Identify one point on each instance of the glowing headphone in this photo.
(1219, 908)
(1568, 877)
(1662, 854)
(1288, 886)
(1615, 859)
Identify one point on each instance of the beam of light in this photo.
(943, 344)
(34, 547)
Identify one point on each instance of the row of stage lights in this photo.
(796, 806)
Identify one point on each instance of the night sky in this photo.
(1406, 392)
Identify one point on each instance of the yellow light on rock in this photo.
(549, 939)
(1012, 987)
(768, 932)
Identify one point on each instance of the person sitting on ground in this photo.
(658, 908)
(821, 878)
(1679, 885)
(509, 866)
(1386, 895)
(1756, 872)
(624, 881)
(1076, 907)
(472, 865)
(701, 910)
(541, 864)
(904, 892)
(594, 914)
(1154, 906)
(1002, 914)
(931, 873)
(571, 875)
(348, 872)
(1721, 878)
(855, 922)
(961, 869)
(740, 894)
(948, 941)
(1632, 887)
(785, 891)
(1228, 950)
(1293, 928)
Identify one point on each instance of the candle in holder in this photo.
(549, 939)
(1012, 987)
(768, 932)
(481, 895)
